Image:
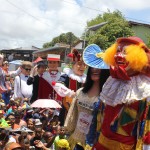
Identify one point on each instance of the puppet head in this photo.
(53, 62)
(75, 56)
(78, 65)
(129, 56)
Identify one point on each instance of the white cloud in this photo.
(33, 22)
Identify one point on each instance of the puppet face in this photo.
(53, 65)
(122, 70)
(120, 56)
(79, 68)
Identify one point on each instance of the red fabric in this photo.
(38, 59)
(53, 59)
(146, 138)
(45, 90)
(98, 146)
(132, 39)
(72, 84)
(106, 126)
(119, 73)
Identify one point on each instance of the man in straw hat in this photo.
(126, 95)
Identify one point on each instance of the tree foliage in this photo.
(66, 38)
(116, 27)
(148, 40)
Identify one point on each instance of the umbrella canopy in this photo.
(16, 62)
(22, 129)
(38, 59)
(45, 103)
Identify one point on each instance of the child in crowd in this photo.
(61, 135)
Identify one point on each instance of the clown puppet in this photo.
(126, 95)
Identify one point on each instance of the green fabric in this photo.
(126, 118)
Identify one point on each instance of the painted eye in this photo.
(119, 49)
(124, 50)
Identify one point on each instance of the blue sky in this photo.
(34, 22)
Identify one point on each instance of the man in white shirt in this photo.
(21, 89)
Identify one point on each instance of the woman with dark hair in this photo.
(81, 121)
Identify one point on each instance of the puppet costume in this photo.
(126, 94)
(85, 114)
(46, 90)
(80, 119)
(72, 81)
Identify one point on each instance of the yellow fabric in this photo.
(67, 102)
(122, 131)
(68, 99)
(139, 144)
(114, 145)
(99, 118)
(100, 55)
(63, 143)
(131, 112)
(87, 147)
(147, 127)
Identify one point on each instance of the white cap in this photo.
(53, 57)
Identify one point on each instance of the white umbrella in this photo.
(22, 129)
(45, 103)
(16, 62)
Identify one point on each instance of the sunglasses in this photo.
(27, 69)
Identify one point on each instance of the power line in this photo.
(83, 6)
(37, 18)
(26, 12)
(94, 9)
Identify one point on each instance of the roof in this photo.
(138, 23)
(50, 49)
(97, 26)
(32, 48)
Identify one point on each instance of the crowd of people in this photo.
(105, 109)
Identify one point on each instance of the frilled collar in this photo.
(70, 73)
(117, 91)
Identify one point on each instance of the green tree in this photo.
(148, 39)
(116, 26)
(66, 38)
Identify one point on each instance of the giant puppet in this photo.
(70, 81)
(126, 94)
(46, 90)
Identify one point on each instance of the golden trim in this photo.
(114, 145)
